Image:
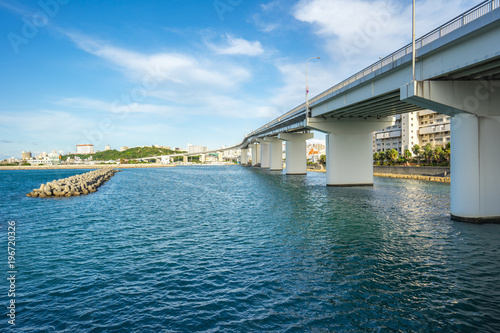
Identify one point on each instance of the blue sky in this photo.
(133, 73)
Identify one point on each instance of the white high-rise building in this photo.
(85, 149)
(414, 128)
(196, 149)
(434, 128)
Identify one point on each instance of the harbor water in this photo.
(235, 249)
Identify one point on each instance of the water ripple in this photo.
(234, 249)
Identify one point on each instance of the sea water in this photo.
(235, 249)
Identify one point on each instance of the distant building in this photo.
(196, 149)
(108, 147)
(316, 146)
(25, 155)
(232, 154)
(165, 160)
(45, 161)
(124, 148)
(85, 149)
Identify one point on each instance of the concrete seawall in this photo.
(412, 170)
(433, 174)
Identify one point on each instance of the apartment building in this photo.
(421, 127)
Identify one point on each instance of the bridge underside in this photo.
(487, 70)
(389, 104)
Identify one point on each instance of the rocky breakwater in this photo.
(76, 185)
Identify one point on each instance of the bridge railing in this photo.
(461, 20)
(452, 25)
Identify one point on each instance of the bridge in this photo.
(457, 73)
(187, 154)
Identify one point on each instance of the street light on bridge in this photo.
(307, 89)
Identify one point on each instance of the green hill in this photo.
(128, 154)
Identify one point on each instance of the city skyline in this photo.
(145, 73)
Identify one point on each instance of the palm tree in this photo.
(392, 155)
(381, 157)
(438, 154)
(428, 151)
(416, 151)
(447, 152)
(407, 155)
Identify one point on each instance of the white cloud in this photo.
(358, 32)
(114, 107)
(164, 67)
(292, 93)
(45, 126)
(235, 46)
(187, 84)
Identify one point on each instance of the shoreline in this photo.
(415, 177)
(138, 166)
(97, 166)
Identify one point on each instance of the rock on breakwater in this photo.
(76, 185)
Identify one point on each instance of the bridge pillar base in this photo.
(349, 149)
(275, 154)
(264, 154)
(349, 159)
(296, 155)
(255, 154)
(244, 157)
(475, 176)
(476, 220)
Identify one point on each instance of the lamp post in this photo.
(414, 52)
(307, 89)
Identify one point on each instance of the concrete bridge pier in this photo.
(264, 154)
(296, 155)
(475, 168)
(275, 153)
(203, 158)
(349, 154)
(184, 159)
(244, 157)
(255, 154)
(475, 142)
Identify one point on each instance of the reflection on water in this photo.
(241, 249)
